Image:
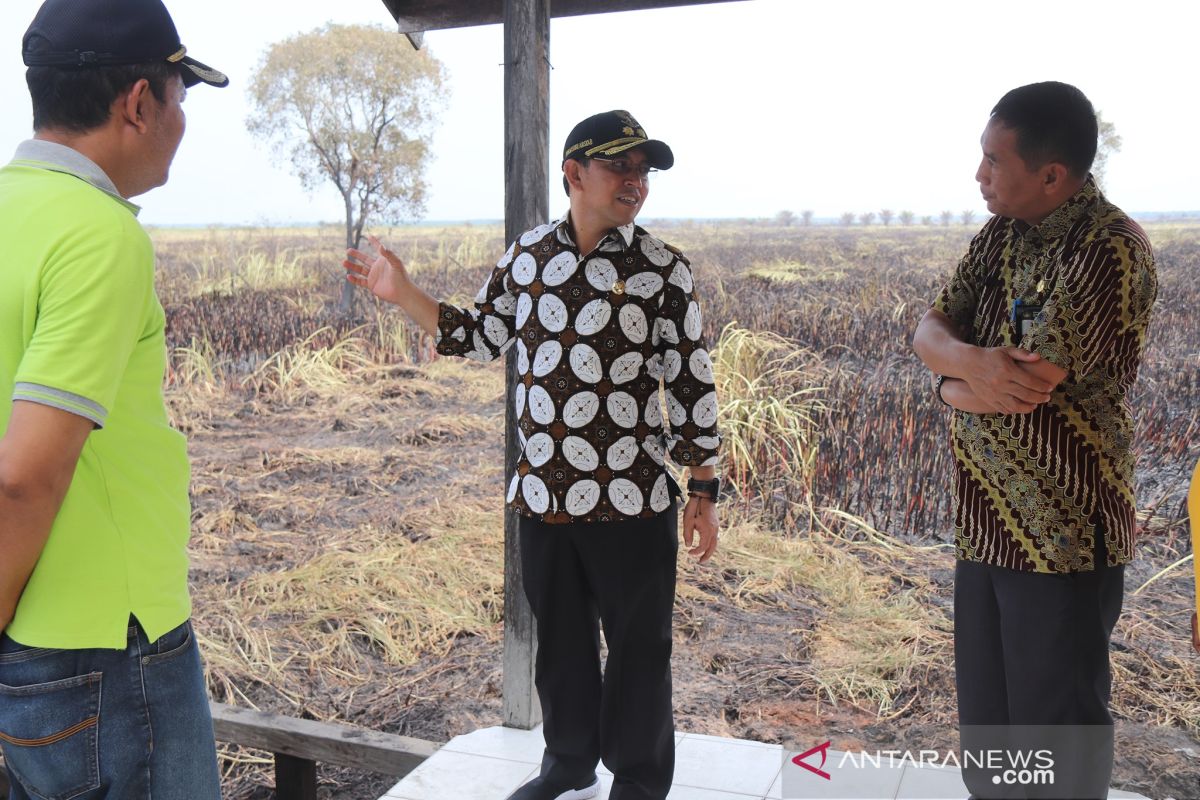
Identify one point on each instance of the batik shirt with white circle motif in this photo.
(614, 372)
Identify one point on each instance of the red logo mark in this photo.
(799, 760)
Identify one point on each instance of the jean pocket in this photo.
(48, 735)
(172, 644)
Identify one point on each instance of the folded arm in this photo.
(1003, 380)
(958, 393)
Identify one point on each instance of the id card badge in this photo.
(1023, 315)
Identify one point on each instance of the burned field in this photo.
(347, 558)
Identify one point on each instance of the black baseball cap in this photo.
(612, 132)
(78, 34)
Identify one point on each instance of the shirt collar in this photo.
(564, 231)
(60, 158)
(1060, 220)
(626, 232)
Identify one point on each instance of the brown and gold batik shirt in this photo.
(602, 339)
(1034, 489)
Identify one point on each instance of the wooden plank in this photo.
(526, 192)
(295, 778)
(432, 15)
(298, 744)
(322, 742)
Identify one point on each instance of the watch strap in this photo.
(707, 488)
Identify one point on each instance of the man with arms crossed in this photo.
(603, 317)
(1036, 340)
(101, 689)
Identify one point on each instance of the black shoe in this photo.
(541, 789)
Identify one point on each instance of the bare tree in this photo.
(885, 216)
(848, 218)
(906, 218)
(807, 216)
(967, 217)
(352, 105)
(947, 216)
(1108, 143)
(867, 218)
(785, 218)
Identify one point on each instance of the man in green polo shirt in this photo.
(101, 689)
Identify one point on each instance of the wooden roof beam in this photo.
(416, 16)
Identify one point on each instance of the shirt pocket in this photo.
(48, 735)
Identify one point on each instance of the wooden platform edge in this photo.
(299, 744)
(322, 742)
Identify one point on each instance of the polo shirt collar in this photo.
(60, 158)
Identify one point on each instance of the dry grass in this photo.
(346, 533)
(771, 410)
(306, 370)
(791, 272)
(373, 599)
(873, 631)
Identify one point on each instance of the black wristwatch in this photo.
(710, 488)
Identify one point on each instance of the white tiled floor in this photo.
(490, 763)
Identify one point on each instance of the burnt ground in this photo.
(298, 493)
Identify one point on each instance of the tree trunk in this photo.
(347, 302)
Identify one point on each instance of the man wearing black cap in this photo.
(102, 694)
(605, 321)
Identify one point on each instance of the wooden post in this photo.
(526, 190)
(295, 778)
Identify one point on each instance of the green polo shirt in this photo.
(81, 329)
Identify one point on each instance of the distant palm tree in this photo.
(967, 217)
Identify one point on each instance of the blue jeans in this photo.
(113, 724)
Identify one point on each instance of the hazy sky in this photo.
(768, 104)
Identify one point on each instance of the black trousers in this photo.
(620, 574)
(1031, 649)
